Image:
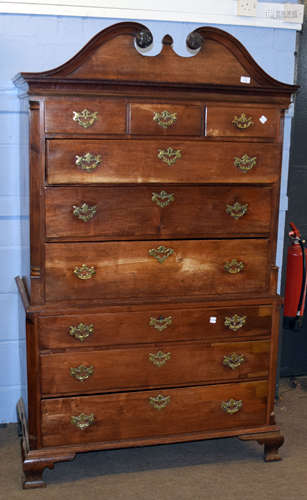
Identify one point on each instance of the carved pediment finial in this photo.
(144, 39)
(194, 40)
(167, 40)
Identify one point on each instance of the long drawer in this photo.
(165, 212)
(156, 365)
(155, 269)
(162, 324)
(154, 161)
(132, 415)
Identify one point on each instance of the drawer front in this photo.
(154, 325)
(90, 162)
(85, 116)
(166, 119)
(155, 269)
(141, 212)
(156, 365)
(242, 121)
(114, 417)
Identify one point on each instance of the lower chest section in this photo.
(148, 372)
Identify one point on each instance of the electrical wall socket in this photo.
(293, 13)
(247, 7)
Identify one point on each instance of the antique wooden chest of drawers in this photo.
(152, 313)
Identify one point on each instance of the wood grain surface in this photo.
(137, 161)
(137, 326)
(136, 212)
(126, 269)
(130, 415)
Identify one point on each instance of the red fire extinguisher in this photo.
(295, 292)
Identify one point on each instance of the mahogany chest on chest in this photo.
(152, 313)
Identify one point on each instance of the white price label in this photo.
(245, 79)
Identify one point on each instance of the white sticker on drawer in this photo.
(245, 79)
(263, 119)
(212, 319)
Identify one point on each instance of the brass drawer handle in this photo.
(161, 253)
(83, 421)
(85, 118)
(84, 272)
(160, 358)
(169, 155)
(165, 119)
(88, 162)
(233, 360)
(242, 121)
(235, 322)
(82, 372)
(163, 199)
(160, 323)
(81, 332)
(245, 163)
(84, 212)
(236, 210)
(234, 266)
(232, 406)
(159, 402)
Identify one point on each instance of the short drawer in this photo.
(85, 116)
(150, 414)
(243, 121)
(163, 212)
(156, 161)
(166, 119)
(117, 270)
(163, 324)
(155, 365)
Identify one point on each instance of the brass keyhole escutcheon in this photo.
(169, 155)
(235, 322)
(82, 372)
(88, 162)
(242, 122)
(84, 272)
(160, 358)
(160, 323)
(163, 199)
(233, 360)
(81, 331)
(83, 421)
(236, 210)
(159, 402)
(85, 118)
(232, 406)
(161, 253)
(165, 119)
(84, 212)
(245, 163)
(234, 266)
